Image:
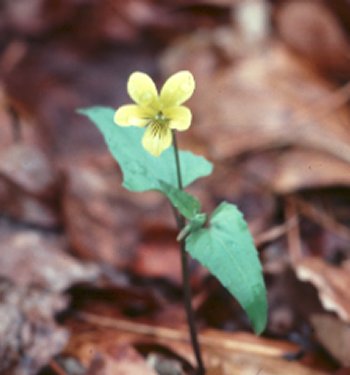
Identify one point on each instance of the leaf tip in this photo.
(82, 111)
(259, 322)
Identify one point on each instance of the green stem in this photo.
(181, 222)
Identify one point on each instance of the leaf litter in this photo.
(271, 111)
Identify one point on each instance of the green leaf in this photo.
(188, 205)
(227, 249)
(142, 171)
(194, 224)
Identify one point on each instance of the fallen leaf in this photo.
(29, 185)
(158, 254)
(16, 125)
(296, 168)
(224, 352)
(29, 336)
(311, 29)
(332, 283)
(34, 259)
(121, 360)
(98, 222)
(275, 96)
(7, 132)
(228, 363)
(101, 217)
(334, 335)
(35, 17)
(29, 169)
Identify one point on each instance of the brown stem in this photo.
(181, 222)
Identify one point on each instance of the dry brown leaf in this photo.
(122, 360)
(29, 336)
(29, 169)
(334, 335)
(230, 184)
(28, 184)
(267, 95)
(332, 283)
(33, 259)
(298, 168)
(35, 17)
(246, 342)
(7, 133)
(98, 221)
(87, 342)
(224, 353)
(101, 217)
(311, 29)
(158, 254)
(91, 22)
(15, 124)
(303, 169)
(266, 100)
(228, 363)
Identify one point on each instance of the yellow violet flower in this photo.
(158, 113)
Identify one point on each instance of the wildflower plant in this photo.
(142, 138)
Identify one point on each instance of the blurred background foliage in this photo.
(270, 110)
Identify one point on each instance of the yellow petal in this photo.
(131, 115)
(157, 138)
(142, 89)
(180, 117)
(177, 89)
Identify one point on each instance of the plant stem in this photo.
(185, 272)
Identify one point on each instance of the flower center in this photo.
(158, 125)
(160, 118)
